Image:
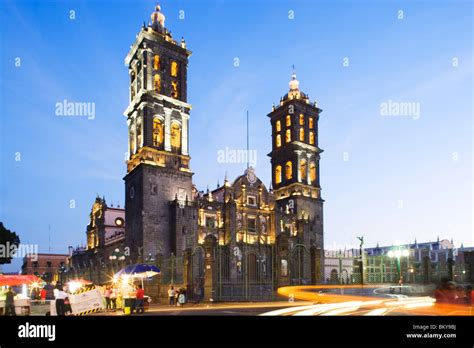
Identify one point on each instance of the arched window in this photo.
(175, 136)
(312, 171)
(132, 139)
(311, 123)
(301, 134)
(157, 132)
(301, 119)
(278, 126)
(289, 170)
(174, 69)
(139, 134)
(288, 120)
(303, 169)
(278, 174)
(311, 138)
(157, 83)
(156, 62)
(278, 140)
(174, 89)
(288, 135)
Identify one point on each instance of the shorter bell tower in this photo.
(296, 183)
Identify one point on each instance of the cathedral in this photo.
(240, 241)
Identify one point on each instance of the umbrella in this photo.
(140, 270)
(19, 279)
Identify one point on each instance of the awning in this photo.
(19, 279)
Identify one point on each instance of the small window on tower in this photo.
(288, 136)
(301, 119)
(311, 123)
(278, 140)
(157, 83)
(174, 89)
(278, 126)
(312, 171)
(288, 120)
(157, 132)
(132, 139)
(301, 134)
(289, 170)
(311, 138)
(303, 169)
(156, 62)
(174, 69)
(278, 174)
(175, 137)
(139, 134)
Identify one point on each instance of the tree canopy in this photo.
(9, 241)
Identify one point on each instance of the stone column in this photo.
(209, 271)
(167, 129)
(188, 272)
(184, 133)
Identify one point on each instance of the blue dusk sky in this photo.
(389, 177)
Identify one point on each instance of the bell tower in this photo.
(158, 122)
(295, 159)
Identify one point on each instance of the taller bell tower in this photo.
(158, 121)
(295, 159)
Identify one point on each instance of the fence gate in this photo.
(196, 290)
(245, 272)
(299, 265)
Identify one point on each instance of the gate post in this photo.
(187, 272)
(316, 265)
(209, 264)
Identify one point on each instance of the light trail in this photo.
(342, 304)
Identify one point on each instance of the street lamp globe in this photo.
(405, 252)
(390, 253)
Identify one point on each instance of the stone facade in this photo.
(240, 241)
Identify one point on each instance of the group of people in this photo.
(110, 295)
(177, 297)
(449, 292)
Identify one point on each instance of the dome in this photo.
(294, 83)
(158, 18)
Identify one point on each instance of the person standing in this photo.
(60, 296)
(43, 295)
(113, 297)
(10, 302)
(140, 295)
(400, 284)
(171, 295)
(107, 294)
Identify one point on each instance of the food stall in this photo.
(22, 286)
(124, 281)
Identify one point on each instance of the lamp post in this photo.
(340, 257)
(398, 253)
(116, 256)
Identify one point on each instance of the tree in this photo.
(9, 242)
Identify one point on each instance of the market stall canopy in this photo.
(19, 279)
(138, 271)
